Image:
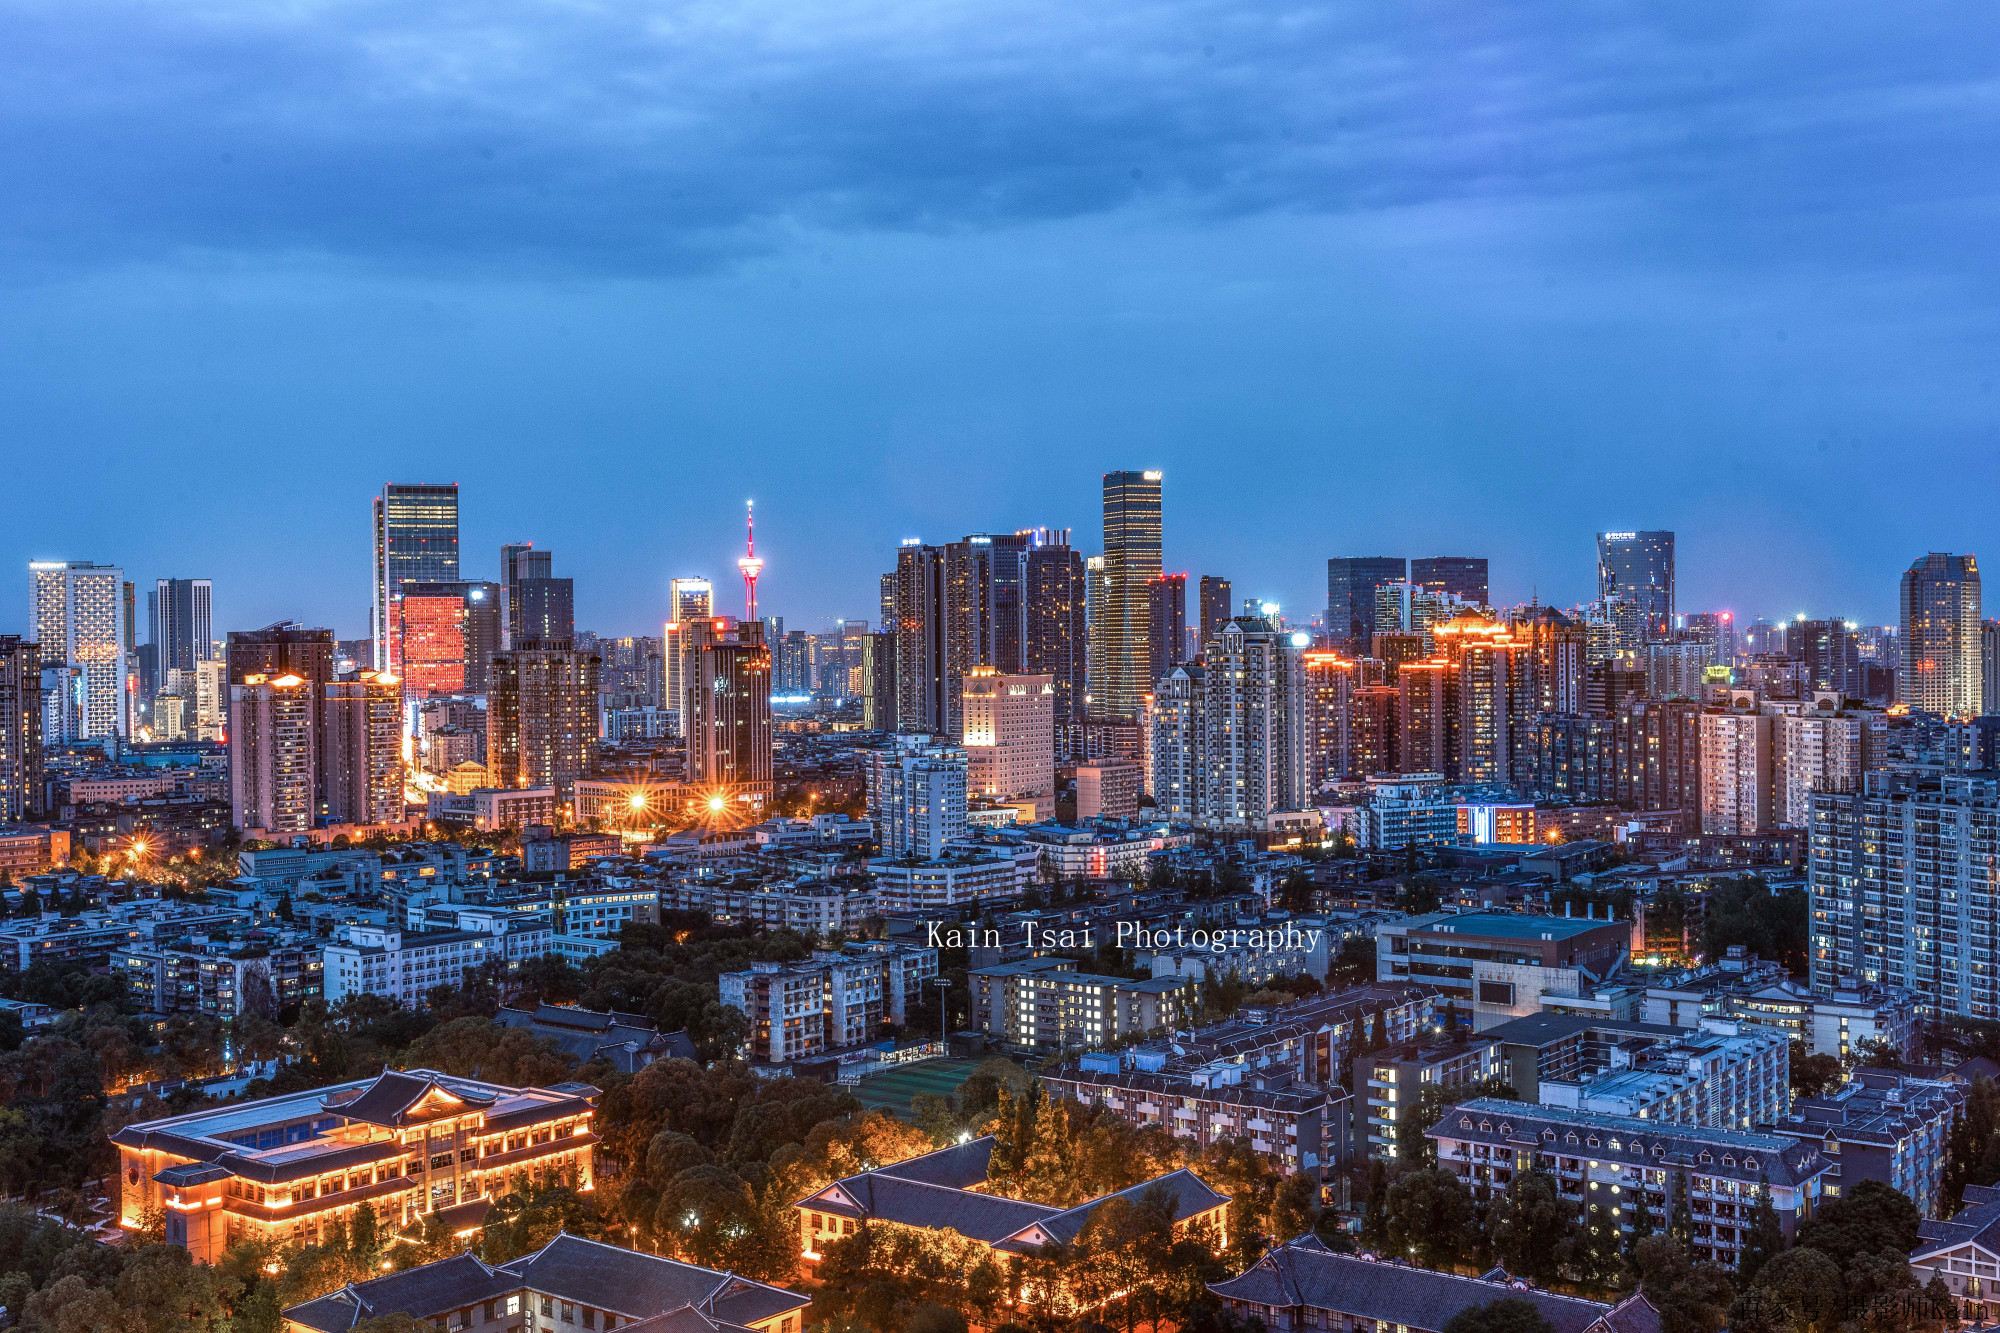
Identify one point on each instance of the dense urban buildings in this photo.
(20, 728)
(1351, 584)
(541, 717)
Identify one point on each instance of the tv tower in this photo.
(751, 564)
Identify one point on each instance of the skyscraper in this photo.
(1830, 655)
(519, 561)
(541, 717)
(729, 712)
(1256, 753)
(416, 540)
(181, 624)
(1215, 609)
(1166, 624)
(361, 739)
(1351, 582)
(688, 600)
(76, 612)
(1132, 556)
(1940, 636)
(1055, 636)
(274, 754)
(1640, 566)
(878, 682)
(442, 636)
(20, 728)
(1462, 576)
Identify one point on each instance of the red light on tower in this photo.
(750, 564)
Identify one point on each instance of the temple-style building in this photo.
(408, 1144)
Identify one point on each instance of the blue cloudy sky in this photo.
(1464, 278)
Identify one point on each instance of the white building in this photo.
(1736, 767)
(837, 998)
(916, 796)
(383, 960)
(910, 885)
(76, 611)
(1822, 747)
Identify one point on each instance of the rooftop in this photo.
(1510, 925)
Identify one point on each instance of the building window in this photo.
(568, 1313)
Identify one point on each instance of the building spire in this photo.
(750, 564)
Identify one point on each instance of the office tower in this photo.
(1940, 603)
(688, 600)
(1676, 670)
(1460, 576)
(922, 696)
(1055, 635)
(1426, 718)
(1608, 686)
(274, 755)
(146, 665)
(519, 561)
(1132, 536)
(1559, 645)
(1166, 633)
(1254, 720)
(20, 728)
(76, 612)
(1825, 749)
(1829, 652)
(878, 682)
(541, 717)
(887, 608)
(1010, 736)
(1175, 748)
(792, 670)
(728, 723)
(416, 540)
(1093, 614)
(1351, 582)
(1639, 566)
(1737, 773)
(181, 624)
(361, 746)
(916, 796)
(1613, 627)
(1215, 612)
(1717, 629)
(851, 635)
(442, 636)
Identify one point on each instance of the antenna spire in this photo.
(751, 564)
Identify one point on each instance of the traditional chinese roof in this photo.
(640, 1285)
(396, 1099)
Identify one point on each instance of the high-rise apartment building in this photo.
(361, 748)
(1940, 671)
(1639, 566)
(1175, 748)
(1823, 748)
(728, 722)
(1256, 755)
(1830, 653)
(181, 621)
(1738, 777)
(1215, 608)
(878, 682)
(20, 728)
(274, 735)
(1093, 615)
(1497, 701)
(1373, 730)
(1717, 629)
(1560, 645)
(286, 648)
(1427, 717)
(1010, 736)
(1351, 582)
(1677, 670)
(1166, 624)
(77, 613)
(688, 600)
(1460, 576)
(1329, 702)
(442, 636)
(1132, 556)
(916, 796)
(416, 540)
(541, 717)
(1989, 666)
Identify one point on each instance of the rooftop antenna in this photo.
(750, 564)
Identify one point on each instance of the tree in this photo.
(1813, 1074)
(1509, 1314)
(1800, 1291)
(1431, 1218)
(1764, 1240)
(1772, 925)
(1533, 1227)
(1375, 1208)
(1691, 1298)
(1414, 1118)
(1873, 1218)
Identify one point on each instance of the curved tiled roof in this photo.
(638, 1285)
(389, 1101)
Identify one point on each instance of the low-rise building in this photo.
(837, 998)
(1391, 1083)
(402, 966)
(1097, 849)
(627, 1042)
(909, 884)
(1043, 1004)
(405, 1145)
(1843, 1022)
(1722, 1173)
(1884, 1126)
(257, 971)
(1720, 1074)
(1499, 965)
(1965, 1253)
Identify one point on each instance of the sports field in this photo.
(892, 1090)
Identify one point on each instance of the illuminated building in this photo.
(535, 607)
(1107, 789)
(1717, 629)
(1166, 632)
(1940, 603)
(20, 728)
(76, 612)
(361, 743)
(728, 722)
(1256, 755)
(405, 1145)
(442, 636)
(688, 600)
(916, 796)
(1093, 615)
(1329, 701)
(1737, 775)
(284, 649)
(1351, 582)
(1559, 646)
(1823, 747)
(751, 564)
(541, 717)
(1373, 730)
(416, 540)
(838, 998)
(1639, 566)
(1394, 649)
(274, 755)
(1175, 747)
(1426, 717)
(178, 614)
(1493, 730)
(1215, 609)
(1829, 652)
(1676, 670)
(878, 682)
(518, 561)
(1132, 537)
(1459, 576)
(1010, 737)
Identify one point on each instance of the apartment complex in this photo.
(386, 961)
(837, 998)
(1721, 1074)
(405, 1144)
(1884, 1126)
(1044, 1004)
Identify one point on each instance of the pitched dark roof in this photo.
(639, 1285)
(388, 1100)
(687, 1319)
(1978, 1223)
(1191, 1197)
(424, 1291)
(1297, 1275)
(912, 1203)
(959, 1166)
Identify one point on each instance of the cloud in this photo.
(630, 138)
